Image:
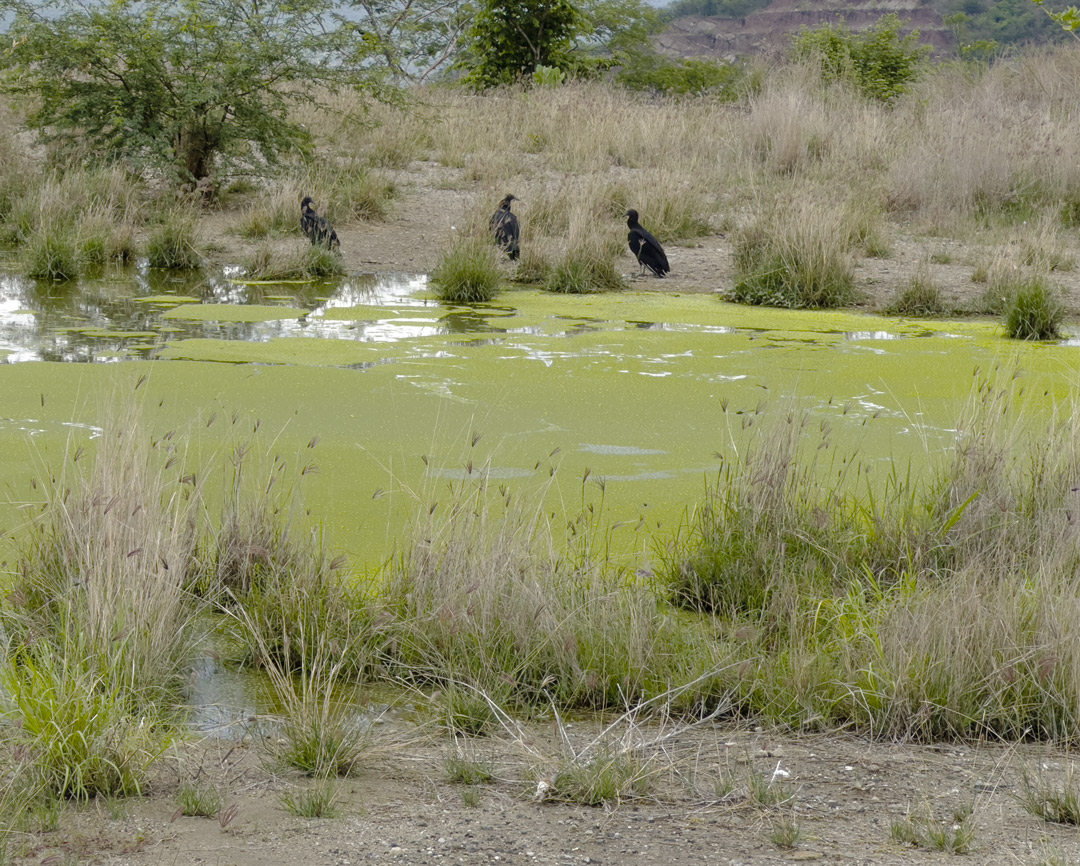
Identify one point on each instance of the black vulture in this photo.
(506, 228)
(645, 247)
(316, 227)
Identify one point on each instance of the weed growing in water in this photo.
(1034, 310)
(467, 272)
(51, 253)
(173, 242)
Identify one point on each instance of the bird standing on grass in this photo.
(316, 227)
(506, 228)
(645, 247)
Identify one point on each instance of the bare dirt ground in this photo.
(434, 201)
(843, 794)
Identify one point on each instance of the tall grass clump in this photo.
(301, 261)
(272, 575)
(173, 242)
(795, 257)
(584, 271)
(321, 734)
(1033, 310)
(483, 603)
(924, 606)
(77, 727)
(101, 625)
(921, 297)
(52, 253)
(588, 265)
(467, 271)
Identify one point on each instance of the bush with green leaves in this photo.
(509, 40)
(648, 70)
(878, 61)
(178, 86)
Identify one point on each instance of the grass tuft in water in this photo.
(467, 272)
(173, 242)
(1033, 310)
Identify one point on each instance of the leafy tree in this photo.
(510, 38)
(1068, 19)
(416, 38)
(178, 84)
(878, 61)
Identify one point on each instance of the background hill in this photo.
(729, 28)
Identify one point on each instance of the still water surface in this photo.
(640, 393)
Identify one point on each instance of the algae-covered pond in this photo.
(640, 392)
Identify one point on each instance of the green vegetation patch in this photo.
(167, 299)
(234, 313)
(287, 350)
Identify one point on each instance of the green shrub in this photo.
(1033, 311)
(877, 61)
(654, 72)
(467, 272)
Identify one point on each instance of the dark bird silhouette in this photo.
(645, 247)
(316, 227)
(506, 228)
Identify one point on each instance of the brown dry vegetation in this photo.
(970, 178)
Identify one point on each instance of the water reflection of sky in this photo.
(118, 315)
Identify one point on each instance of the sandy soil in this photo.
(843, 794)
(435, 200)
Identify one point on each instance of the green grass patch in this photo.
(173, 242)
(794, 258)
(1033, 310)
(467, 272)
